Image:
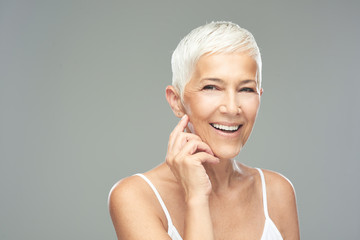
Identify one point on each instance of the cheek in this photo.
(250, 107)
(201, 105)
(199, 108)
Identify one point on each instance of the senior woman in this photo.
(201, 192)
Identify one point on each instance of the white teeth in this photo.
(226, 128)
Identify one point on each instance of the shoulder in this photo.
(278, 186)
(124, 194)
(127, 185)
(132, 202)
(125, 190)
(130, 192)
(282, 207)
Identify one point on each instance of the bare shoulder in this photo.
(279, 186)
(125, 190)
(282, 207)
(127, 185)
(132, 204)
(124, 196)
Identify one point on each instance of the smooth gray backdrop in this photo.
(82, 105)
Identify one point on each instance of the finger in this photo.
(180, 127)
(179, 143)
(204, 157)
(187, 149)
(182, 139)
(194, 146)
(196, 159)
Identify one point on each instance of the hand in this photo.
(185, 156)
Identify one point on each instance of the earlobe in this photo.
(174, 100)
(261, 91)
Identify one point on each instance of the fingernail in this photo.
(183, 116)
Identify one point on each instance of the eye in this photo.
(209, 87)
(246, 89)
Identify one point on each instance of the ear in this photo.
(174, 100)
(261, 91)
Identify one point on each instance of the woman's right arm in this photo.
(132, 207)
(185, 156)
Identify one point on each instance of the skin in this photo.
(208, 194)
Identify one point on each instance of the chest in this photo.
(234, 216)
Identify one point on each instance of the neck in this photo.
(222, 174)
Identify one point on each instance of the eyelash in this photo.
(210, 87)
(247, 90)
(213, 87)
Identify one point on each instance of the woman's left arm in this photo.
(282, 205)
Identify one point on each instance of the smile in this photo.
(233, 128)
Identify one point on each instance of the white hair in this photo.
(211, 38)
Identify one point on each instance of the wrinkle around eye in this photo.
(210, 87)
(247, 89)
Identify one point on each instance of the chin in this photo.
(227, 152)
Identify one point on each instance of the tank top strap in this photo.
(263, 186)
(158, 197)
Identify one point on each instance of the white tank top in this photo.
(270, 231)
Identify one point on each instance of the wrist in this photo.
(196, 201)
(198, 223)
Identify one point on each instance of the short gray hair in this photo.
(214, 37)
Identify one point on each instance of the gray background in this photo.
(82, 105)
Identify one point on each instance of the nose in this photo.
(230, 104)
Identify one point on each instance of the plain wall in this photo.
(82, 105)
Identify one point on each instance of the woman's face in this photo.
(222, 100)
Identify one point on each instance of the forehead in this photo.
(239, 66)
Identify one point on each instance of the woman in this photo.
(201, 192)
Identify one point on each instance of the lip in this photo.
(227, 134)
(227, 123)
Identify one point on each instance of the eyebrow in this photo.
(221, 81)
(212, 79)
